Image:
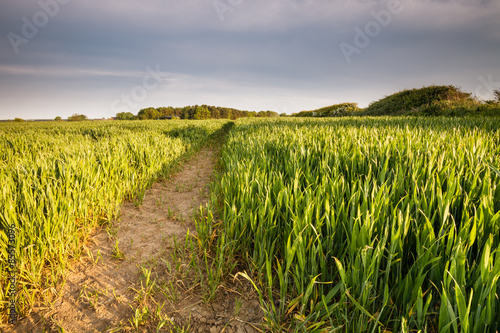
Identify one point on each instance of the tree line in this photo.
(193, 112)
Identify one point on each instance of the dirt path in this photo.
(137, 276)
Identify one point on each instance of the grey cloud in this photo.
(283, 48)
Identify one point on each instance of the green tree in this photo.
(201, 113)
(215, 113)
(58, 118)
(226, 113)
(125, 116)
(77, 117)
(272, 114)
(148, 113)
(18, 120)
(187, 112)
(167, 111)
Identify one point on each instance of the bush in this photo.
(414, 100)
(125, 116)
(77, 117)
(337, 110)
(148, 113)
(459, 108)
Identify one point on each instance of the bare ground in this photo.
(139, 274)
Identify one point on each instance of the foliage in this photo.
(148, 113)
(459, 108)
(415, 100)
(337, 110)
(125, 116)
(428, 101)
(364, 224)
(77, 117)
(267, 114)
(60, 180)
(497, 95)
(201, 112)
(166, 111)
(18, 120)
(58, 118)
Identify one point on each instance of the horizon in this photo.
(61, 57)
(218, 106)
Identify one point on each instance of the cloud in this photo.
(72, 73)
(281, 49)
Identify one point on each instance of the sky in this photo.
(98, 58)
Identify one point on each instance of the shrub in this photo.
(77, 117)
(413, 100)
(497, 94)
(337, 110)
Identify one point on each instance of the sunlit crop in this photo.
(365, 225)
(60, 180)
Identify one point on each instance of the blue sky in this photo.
(60, 57)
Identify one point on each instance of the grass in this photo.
(349, 224)
(362, 224)
(62, 180)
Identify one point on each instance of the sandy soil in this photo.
(109, 290)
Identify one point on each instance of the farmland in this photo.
(365, 224)
(346, 224)
(62, 180)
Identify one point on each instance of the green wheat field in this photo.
(341, 224)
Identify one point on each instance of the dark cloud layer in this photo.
(283, 55)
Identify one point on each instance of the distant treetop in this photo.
(193, 112)
(77, 117)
